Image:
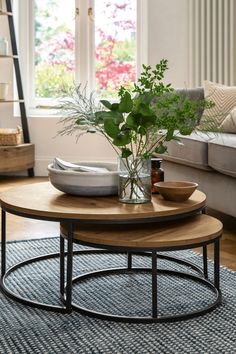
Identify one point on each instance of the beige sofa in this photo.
(210, 160)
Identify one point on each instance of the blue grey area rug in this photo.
(27, 330)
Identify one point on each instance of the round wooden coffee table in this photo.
(141, 228)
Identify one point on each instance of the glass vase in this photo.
(134, 180)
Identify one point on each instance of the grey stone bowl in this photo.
(86, 183)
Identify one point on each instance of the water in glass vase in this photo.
(133, 190)
(134, 181)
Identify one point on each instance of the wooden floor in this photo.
(19, 228)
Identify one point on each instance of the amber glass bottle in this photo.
(157, 173)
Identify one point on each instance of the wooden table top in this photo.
(190, 231)
(43, 200)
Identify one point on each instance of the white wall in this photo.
(167, 38)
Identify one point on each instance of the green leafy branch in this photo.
(143, 119)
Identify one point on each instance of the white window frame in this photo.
(84, 31)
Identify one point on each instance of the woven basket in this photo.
(10, 137)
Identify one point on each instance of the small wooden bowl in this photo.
(176, 191)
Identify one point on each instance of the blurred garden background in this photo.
(114, 23)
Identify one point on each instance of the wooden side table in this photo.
(78, 215)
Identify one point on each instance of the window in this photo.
(54, 48)
(93, 42)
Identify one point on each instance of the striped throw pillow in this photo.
(229, 124)
(224, 98)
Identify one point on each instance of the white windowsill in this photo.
(40, 113)
(51, 113)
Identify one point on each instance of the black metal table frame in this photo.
(66, 286)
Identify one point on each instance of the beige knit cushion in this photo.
(229, 123)
(224, 98)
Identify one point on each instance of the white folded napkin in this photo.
(65, 165)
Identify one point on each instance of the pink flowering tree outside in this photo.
(115, 30)
(115, 49)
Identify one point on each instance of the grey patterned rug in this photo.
(26, 330)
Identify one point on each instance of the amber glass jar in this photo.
(157, 173)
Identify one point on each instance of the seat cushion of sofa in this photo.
(191, 151)
(222, 153)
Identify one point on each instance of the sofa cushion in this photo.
(194, 94)
(191, 151)
(229, 124)
(222, 153)
(224, 98)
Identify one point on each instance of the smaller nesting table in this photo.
(148, 239)
(145, 229)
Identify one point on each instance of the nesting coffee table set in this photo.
(108, 226)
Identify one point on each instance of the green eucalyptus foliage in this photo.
(151, 106)
(144, 118)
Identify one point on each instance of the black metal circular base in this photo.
(63, 309)
(25, 301)
(166, 318)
